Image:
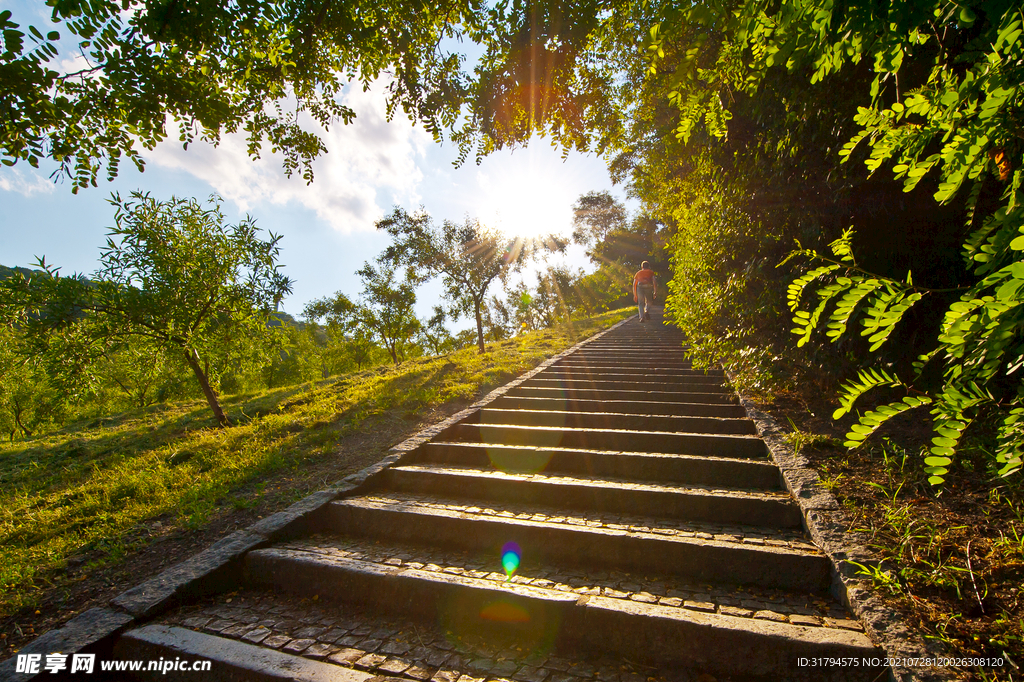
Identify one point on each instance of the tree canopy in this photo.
(100, 82)
(933, 97)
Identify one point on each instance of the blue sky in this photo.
(327, 227)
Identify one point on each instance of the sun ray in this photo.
(527, 202)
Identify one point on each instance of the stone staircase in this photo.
(651, 534)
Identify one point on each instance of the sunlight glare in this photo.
(527, 200)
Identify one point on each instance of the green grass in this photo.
(90, 488)
(951, 562)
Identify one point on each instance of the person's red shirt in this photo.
(644, 278)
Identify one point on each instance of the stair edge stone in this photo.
(822, 520)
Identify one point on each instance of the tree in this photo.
(595, 215)
(327, 343)
(434, 336)
(172, 273)
(27, 401)
(468, 257)
(387, 309)
(135, 367)
(384, 309)
(558, 294)
(941, 109)
(214, 68)
(498, 318)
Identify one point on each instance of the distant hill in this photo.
(6, 272)
(281, 318)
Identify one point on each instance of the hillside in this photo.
(101, 504)
(6, 271)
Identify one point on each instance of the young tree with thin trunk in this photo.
(595, 216)
(387, 309)
(172, 272)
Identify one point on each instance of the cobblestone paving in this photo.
(774, 605)
(335, 633)
(742, 535)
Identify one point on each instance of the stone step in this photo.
(507, 402)
(646, 352)
(697, 551)
(570, 621)
(626, 338)
(619, 374)
(628, 342)
(674, 361)
(342, 636)
(666, 468)
(633, 383)
(692, 503)
(670, 359)
(663, 364)
(813, 610)
(613, 366)
(699, 444)
(698, 396)
(612, 420)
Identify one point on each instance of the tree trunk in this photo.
(18, 409)
(192, 358)
(479, 325)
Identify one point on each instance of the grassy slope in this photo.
(83, 493)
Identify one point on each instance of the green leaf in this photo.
(872, 420)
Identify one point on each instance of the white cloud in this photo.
(370, 165)
(75, 63)
(25, 184)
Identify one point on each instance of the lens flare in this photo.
(510, 554)
(519, 460)
(504, 612)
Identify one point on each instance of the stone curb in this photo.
(95, 628)
(235, 660)
(823, 522)
(217, 568)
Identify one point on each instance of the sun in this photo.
(526, 200)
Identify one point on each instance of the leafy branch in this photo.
(980, 341)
